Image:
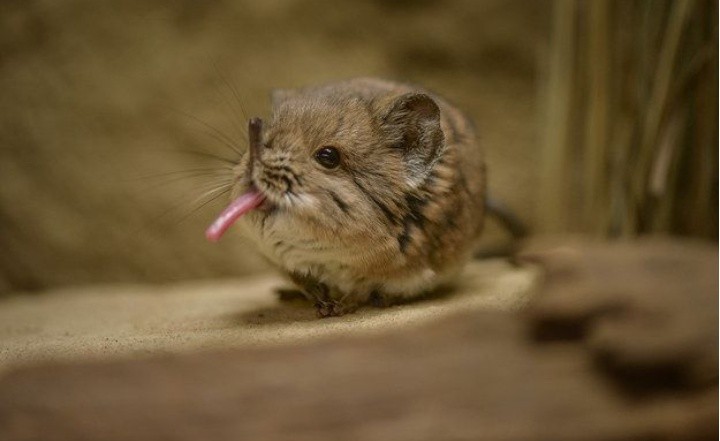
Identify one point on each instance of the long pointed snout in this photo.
(254, 135)
(250, 199)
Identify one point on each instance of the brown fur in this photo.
(399, 216)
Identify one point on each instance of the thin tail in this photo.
(506, 217)
(508, 220)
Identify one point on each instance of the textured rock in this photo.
(474, 376)
(646, 311)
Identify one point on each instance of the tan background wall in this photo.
(96, 98)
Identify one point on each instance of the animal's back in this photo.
(445, 215)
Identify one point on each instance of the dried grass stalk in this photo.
(631, 133)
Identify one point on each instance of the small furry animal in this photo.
(361, 190)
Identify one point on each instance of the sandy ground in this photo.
(100, 322)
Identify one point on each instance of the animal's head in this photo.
(336, 161)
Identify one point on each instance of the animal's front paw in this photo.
(332, 308)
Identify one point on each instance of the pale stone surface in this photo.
(139, 320)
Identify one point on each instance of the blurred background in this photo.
(597, 117)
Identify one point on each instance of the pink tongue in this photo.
(246, 202)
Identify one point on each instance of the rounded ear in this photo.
(413, 124)
(417, 106)
(279, 96)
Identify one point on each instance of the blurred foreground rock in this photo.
(648, 312)
(572, 367)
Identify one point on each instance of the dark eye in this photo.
(328, 157)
